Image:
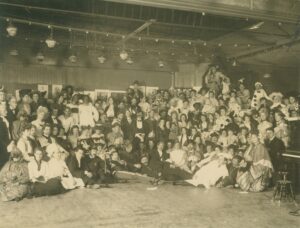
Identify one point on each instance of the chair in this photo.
(283, 189)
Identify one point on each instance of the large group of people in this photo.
(222, 135)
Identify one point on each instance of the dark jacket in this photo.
(4, 141)
(75, 169)
(11, 117)
(156, 161)
(276, 148)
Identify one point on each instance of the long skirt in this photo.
(51, 187)
(209, 174)
(257, 179)
(11, 191)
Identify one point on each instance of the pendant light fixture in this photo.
(11, 29)
(50, 41)
(101, 59)
(72, 57)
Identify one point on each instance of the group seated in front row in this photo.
(223, 135)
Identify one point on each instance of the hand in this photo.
(138, 166)
(122, 162)
(89, 174)
(172, 166)
(11, 146)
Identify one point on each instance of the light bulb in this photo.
(50, 42)
(11, 30)
(123, 55)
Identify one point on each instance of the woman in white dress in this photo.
(88, 114)
(212, 169)
(58, 168)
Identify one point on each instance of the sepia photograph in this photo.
(150, 113)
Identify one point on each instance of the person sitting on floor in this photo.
(57, 168)
(130, 157)
(14, 177)
(42, 185)
(256, 177)
(76, 166)
(105, 167)
(92, 164)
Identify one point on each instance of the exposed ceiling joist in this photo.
(138, 30)
(285, 43)
(218, 9)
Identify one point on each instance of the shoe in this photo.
(95, 186)
(295, 213)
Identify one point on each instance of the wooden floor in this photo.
(132, 205)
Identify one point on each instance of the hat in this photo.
(34, 92)
(215, 134)
(115, 124)
(258, 83)
(275, 94)
(24, 92)
(241, 81)
(96, 136)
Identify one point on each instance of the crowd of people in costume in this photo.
(222, 135)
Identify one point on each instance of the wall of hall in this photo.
(190, 75)
(284, 79)
(17, 76)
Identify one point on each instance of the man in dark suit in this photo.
(158, 163)
(158, 157)
(4, 135)
(77, 166)
(276, 148)
(12, 112)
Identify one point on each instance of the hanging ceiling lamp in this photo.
(50, 41)
(73, 58)
(123, 55)
(161, 64)
(129, 61)
(11, 29)
(101, 59)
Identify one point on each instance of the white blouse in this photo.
(34, 173)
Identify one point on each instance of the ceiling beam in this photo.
(219, 9)
(284, 43)
(138, 30)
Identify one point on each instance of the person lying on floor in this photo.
(42, 185)
(14, 177)
(211, 169)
